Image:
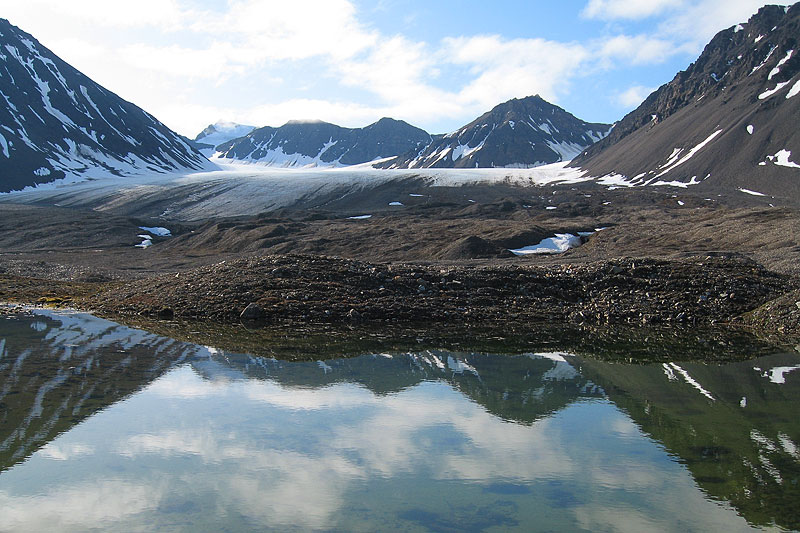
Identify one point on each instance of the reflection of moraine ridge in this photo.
(521, 388)
(736, 426)
(64, 367)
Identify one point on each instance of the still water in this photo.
(108, 428)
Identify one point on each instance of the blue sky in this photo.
(437, 65)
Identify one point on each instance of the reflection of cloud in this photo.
(280, 457)
(339, 396)
(80, 508)
(483, 447)
(64, 452)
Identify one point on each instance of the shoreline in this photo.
(318, 291)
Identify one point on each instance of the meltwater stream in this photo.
(108, 428)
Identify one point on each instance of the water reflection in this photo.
(185, 437)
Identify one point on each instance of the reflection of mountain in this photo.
(520, 388)
(57, 370)
(736, 427)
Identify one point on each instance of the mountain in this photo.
(66, 369)
(304, 143)
(525, 132)
(57, 123)
(730, 119)
(219, 133)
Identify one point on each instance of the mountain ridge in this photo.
(728, 120)
(312, 143)
(546, 134)
(58, 123)
(553, 135)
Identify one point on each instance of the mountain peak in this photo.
(522, 132)
(314, 142)
(57, 123)
(724, 120)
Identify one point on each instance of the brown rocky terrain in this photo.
(665, 258)
(291, 288)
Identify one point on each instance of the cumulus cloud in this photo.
(505, 68)
(264, 62)
(634, 96)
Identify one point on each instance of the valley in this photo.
(522, 321)
(102, 195)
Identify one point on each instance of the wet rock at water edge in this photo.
(252, 312)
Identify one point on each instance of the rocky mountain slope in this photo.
(523, 133)
(729, 120)
(56, 123)
(312, 143)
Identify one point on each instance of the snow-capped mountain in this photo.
(219, 133)
(57, 123)
(730, 119)
(520, 133)
(314, 143)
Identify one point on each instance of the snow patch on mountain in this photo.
(221, 132)
(57, 124)
(671, 164)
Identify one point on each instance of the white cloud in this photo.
(511, 68)
(636, 50)
(98, 15)
(292, 30)
(702, 19)
(627, 9)
(633, 96)
(190, 65)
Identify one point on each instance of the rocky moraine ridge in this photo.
(288, 289)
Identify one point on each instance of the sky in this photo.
(435, 64)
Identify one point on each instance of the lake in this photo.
(104, 427)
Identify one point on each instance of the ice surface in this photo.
(464, 150)
(360, 217)
(750, 129)
(769, 54)
(754, 193)
(395, 203)
(688, 156)
(561, 242)
(558, 357)
(782, 159)
(778, 374)
(157, 230)
(147, 241)
(680, 184)
(691, 381)
(794, 91)
(775, 71)
(766, 94)
(459, 367)
(224, 132)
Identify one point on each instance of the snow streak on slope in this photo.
(729, 114)
(56, 123)
(520, 133)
